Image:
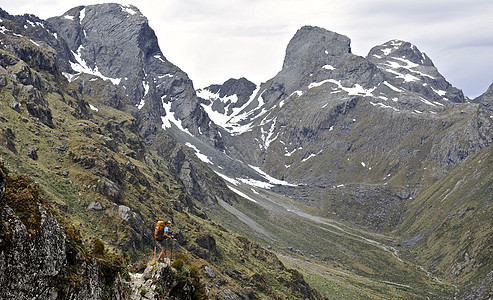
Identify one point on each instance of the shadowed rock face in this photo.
(29, 258)
(484, 118)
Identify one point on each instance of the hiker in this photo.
(163, 237)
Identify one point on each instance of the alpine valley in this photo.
(342, 177)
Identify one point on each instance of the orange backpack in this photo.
(159, 231)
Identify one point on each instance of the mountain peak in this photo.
(314, 44)
(110, 41)
(233, 86)
(400, 49)
(406, 66)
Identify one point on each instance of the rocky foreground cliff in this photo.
(42, 259)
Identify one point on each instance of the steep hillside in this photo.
(450, 224)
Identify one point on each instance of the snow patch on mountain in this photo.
(82, 15)
(162, 60)
(268, 135)
(201, 156)
(384, 106)
(241, 194)
(439, 92)
(328, 67)
(81, 67)
(356, 90)
(228, 179)
(128, 9)
(392, 87)
(233, 123)
(309, 156)
(270, 178)
(292, 152)
(395, 63)
(170, 118)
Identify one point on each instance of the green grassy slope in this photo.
(450, 225)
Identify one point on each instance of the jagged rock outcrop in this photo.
(34, 264)
(161, 280)
(40, 258)
(30, 258)
(484, 118)
(24, 60)
(42, 33)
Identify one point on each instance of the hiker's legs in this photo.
(164, 244)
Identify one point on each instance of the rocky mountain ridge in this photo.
(399, 79)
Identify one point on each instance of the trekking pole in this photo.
(154, 253)
(172, 244)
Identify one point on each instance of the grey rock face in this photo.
(314, 45)
(15, 106)
(96, 206)
(484, 118)
(110, 189)
(124, 212)
(209, 272)
(30, 264)
(97, 34)
(33, 264)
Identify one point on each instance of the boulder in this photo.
(209, 272)
(95, 206)
(32, 153)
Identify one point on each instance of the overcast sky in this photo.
(214, 40)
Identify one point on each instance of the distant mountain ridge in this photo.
(395, 76)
